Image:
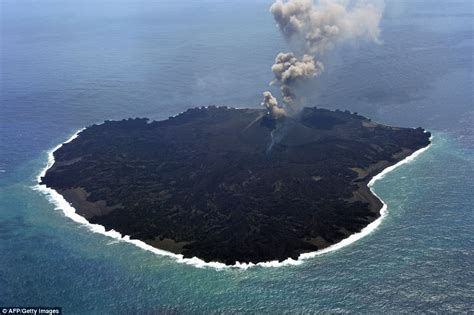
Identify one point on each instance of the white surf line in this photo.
(383, 211)
(61, 204)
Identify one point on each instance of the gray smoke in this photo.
(271, 104)
(288, 71)
(319, 26)
(316, 27)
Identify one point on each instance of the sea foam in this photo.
(61, 204)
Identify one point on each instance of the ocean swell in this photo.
(61, 204)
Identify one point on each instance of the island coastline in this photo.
(61, 204)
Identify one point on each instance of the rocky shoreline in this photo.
(158, 228)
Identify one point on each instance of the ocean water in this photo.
(67, 64)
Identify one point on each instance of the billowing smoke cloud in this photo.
(288, 71)
(315, 27)
(271, 104)
(318, 26)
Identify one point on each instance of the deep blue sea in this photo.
(66, 64)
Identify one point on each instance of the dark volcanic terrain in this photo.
(229, 184)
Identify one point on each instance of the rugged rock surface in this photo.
(229, 184)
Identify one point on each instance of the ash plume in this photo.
(319, 26)
(271, 104)
(288, 71)
(314, 27)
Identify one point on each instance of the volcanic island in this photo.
(232, 185)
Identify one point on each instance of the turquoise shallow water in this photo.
(66, 65)
(420, 257)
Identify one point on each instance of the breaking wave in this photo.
(61, 204)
